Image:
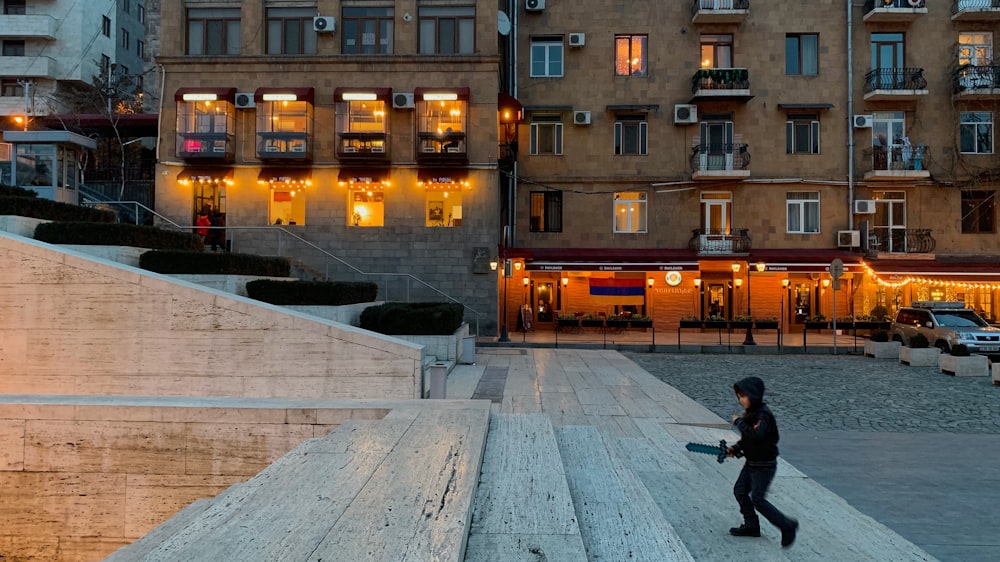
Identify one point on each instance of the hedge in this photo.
(413, 319)
(316, 293)
(105, 234)
(13, 191)
(33, 207)
(180, 262)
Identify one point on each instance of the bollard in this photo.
(439, 379)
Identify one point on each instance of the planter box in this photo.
(591, 323)
(919, 356)
(971, 366)
(716, 324)
(866, 325)
(642, 324)
(766, 324)
(817, 325)
(690, 323)
(995, 372)
(741, 325)
(882, 349)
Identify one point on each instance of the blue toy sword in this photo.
(719, 451)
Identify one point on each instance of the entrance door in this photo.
(802, 293)
(545, 297)
(717, 301)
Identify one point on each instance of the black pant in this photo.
(751, 493)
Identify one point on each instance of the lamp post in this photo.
(784, 313)
(701, 298)
(649, 283)
(749, 336)
(507, 272)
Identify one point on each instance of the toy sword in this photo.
(719, 451)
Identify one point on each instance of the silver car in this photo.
(946, 324)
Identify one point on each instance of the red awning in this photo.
(301, 94)
(205, 174)
(604, 259)
(284, 175)
(362, 177)
(960, 271)
(462, 93)
(384, 94)
(222, 94)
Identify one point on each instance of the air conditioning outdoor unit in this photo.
(685, 114)
(577, 39)
(864, 207)
(534, 5)
(244, 100)
(402, 101)
(581, 117)
(863, 121)
(324, 24)
(848, 238)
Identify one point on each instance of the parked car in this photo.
(946, 324)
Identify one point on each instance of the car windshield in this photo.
(960, 319)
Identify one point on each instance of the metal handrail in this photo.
(283, 232)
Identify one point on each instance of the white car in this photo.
(945, 325)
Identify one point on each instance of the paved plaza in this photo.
(917, 450)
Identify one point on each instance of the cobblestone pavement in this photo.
(850, 393)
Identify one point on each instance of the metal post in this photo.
(748, 340)
(504, 336)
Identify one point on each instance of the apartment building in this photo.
(677, 155)
(359, 139)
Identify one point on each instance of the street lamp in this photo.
(701, 298)
(507, 272)
(749, 337)
(785, 285)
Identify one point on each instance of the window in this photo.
(546, 57)
(630, 211)
(717, 51)
(140, 13)
(447, 31)
(106, 65)
(362, 128)
(10, 87)
(979, 212)
(802, 54)
(290, 32)
(106, 26)
(443, 204)
(213, 31)
(442, 124)
(367, 31)
(125, 38)
(284, 127)
(976, 132)
(546, 134)
(630, 55)
(13, 47)
(367, 207)
(630, 134)
(975, 48)
(140, 49)
(288, 203)
(802, 134)
(546, 211)
(803, 212)
(888, 227)
(14, 7)
(204, 128)
(127, 6)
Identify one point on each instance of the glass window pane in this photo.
(792, 55)
(196, 37)
(233, 37)
(274, 37)
(427, 36)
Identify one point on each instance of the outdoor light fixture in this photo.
(565, 281)
(738, 282)
(494, 264)
(279, 97)
(526, 281)
(195, 96)
(649, 281)
(697, 281)
(517, 265)
(736, 268)
(785, 283)
(761, 266)
(359, 96)
(826, 283)
(440, 96)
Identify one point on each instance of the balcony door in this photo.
(974, 49)
(717, 138)
(888, 132)
(889, 225)
(716, 209)
(887, 60)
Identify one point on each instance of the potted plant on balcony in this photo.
(741, 322)
(640, 321)
(918, 352)
(879, 347)
(767, 323)
(690, 321)
(716, 321)
(817, 322)
(961, 363)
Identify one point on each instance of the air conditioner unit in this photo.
(577, 39)
(244, 100)
(402, 101)
(324, 24)
(685, 114)
(863, 121)
(534, 5)
(581, 117)
(864, 207)
(848, 238)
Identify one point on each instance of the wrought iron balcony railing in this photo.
(974, 5)
(736, 241)
(969, 77)
(900, 240)
(904, 4)
(895, 79)
(720, 79)
(720, 157)
(899, 156)
(709, 5)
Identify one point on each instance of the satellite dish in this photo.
(503, 23)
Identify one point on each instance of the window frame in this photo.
(384, 26)
(625, 45)
(14, 8)
(13, 48)
(623, 123)
(546, 120)
(106, 26)
(964, 125)
(125, 39)
(11, 87)
(281, 25)
(803, 208)
(224, 21)
(714, 47)
(978, 211)
(463, 36)
(640, 214)
(549, 45)
(793, 125)
(545, 211)
(794, 44)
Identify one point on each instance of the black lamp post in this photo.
(507, 266)
(749, 336)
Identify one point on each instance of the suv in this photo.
(946, 324)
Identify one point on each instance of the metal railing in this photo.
(720, 79)
(736, 241)
(978, 77)
(899, 157)
(900, 240)
(278, 241)
(720, 156)
(977, 5)
(901, 4)
(895, 79)
(712, 5)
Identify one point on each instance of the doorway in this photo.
(545, 296)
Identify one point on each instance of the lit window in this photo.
(630, 211)
(367, 207)
(290, 31)
(802, 134)
(366, 31)
(447, 30)
(204, 128)
(546, 57)
(630, 55)
(442, 125)
(630, 134)
(444, 206)
(284, 128)
(803, 212)
(717, 51)
(362, 128)
(976, 132)
(288, 203)
(546, 134)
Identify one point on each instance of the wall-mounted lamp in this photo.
(736, 268)
(785, 283)
(738, 282)
(526, 281)
(494, 264)
(649, 281)
(697, 281)
(826, 283)
(761, 266)
(565, 281)
(517, 265)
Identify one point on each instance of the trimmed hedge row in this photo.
(14, 191)
(316, 293)
(105, 234)
(413, 319)
(33, 207)
(180, 262)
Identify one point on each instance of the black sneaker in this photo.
(744, 531)
(788, 534)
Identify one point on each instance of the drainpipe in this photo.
(850, 117)
(512, 73)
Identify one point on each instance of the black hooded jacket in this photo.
(758, 428)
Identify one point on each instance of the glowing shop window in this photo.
(444, 208)
(288, 206)
(367, 208)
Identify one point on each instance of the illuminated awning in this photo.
(345, 94)
(936, 271)
(433, 94)
(206, 94)
(364, 178)
(285, 176)
(443, 179)
(800, 260)
(604, 259)
(284, 94)
(205, 175)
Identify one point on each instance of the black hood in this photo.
(752, 388)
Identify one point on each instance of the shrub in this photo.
(880, 313)
(317, 293)
(105, 234)
(880, 336)
(960, 350)
(13, 191)
(33, 207)
(918, 341)
(179, 262)
(418, 318)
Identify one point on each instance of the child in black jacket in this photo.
(759, 444)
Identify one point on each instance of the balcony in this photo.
(721, 84)
(205, 146)
(900, 241)
(363, 147)
(284, 146)
(885, 84)
(444, 148)
(893, 11)
(976, 82)
(703, 243)
(975, 10)
(901, 162)
(28, 67)
(28, 27)
(719, 161)
(719, 11)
